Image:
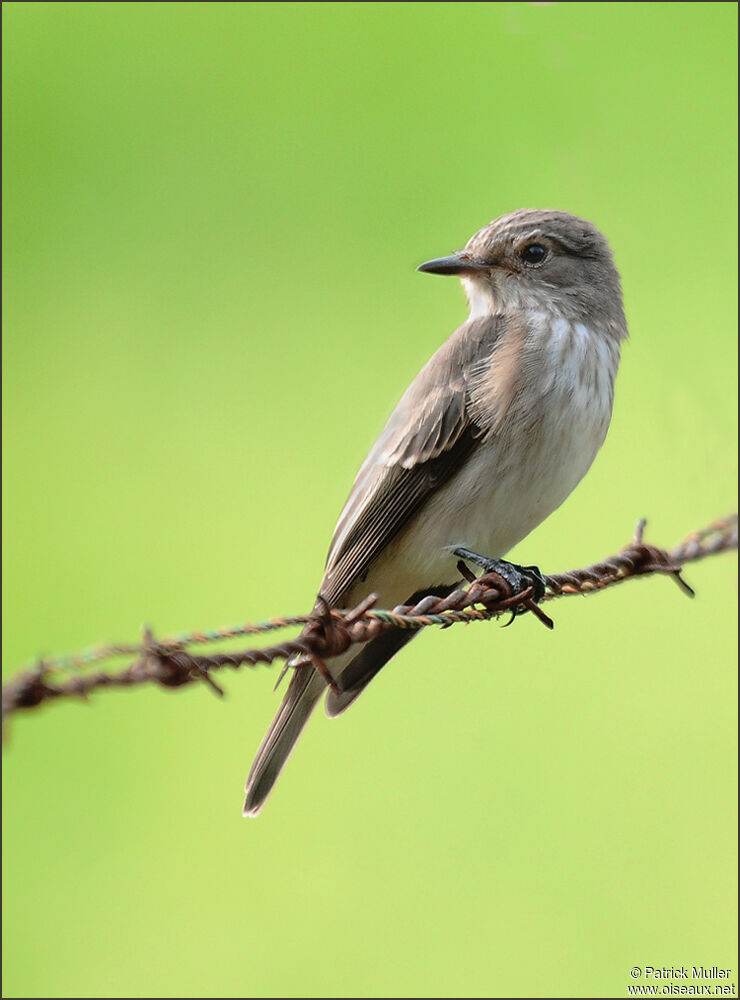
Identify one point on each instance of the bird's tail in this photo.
(352, 671)
(355, 676)
(305, 689)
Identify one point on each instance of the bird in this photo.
(490, 438)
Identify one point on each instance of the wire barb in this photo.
(328, 632)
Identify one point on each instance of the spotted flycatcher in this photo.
(491, 436)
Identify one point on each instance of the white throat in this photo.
(480, 298)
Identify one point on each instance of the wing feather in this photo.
(427, 439)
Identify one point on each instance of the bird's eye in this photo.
(533, 253)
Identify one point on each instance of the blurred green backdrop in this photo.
(212, 215)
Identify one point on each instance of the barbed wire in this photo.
(329, 632)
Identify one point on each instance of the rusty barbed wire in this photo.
(328, 633)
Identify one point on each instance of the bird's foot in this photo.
(526, 580)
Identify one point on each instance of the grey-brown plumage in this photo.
(491, 436)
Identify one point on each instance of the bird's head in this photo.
(542, 260)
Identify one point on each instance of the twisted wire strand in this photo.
(168, 663)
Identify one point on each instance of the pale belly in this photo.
(508, 486)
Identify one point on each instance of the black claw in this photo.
(532, 575)
(519, 578)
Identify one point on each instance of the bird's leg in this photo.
(519, 578)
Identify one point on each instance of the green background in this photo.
(212, 217)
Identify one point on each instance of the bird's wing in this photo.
(428, 438)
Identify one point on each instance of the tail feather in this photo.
(304, 690)
(353, 671)
(356, 676)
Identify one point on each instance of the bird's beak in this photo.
(458, 263)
